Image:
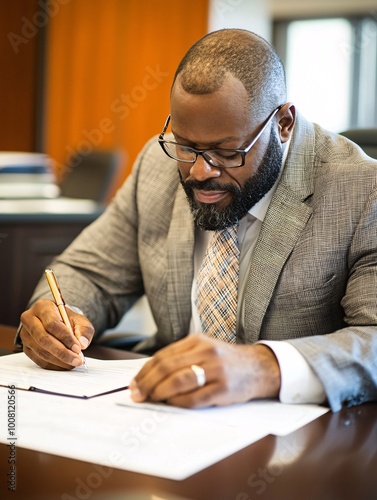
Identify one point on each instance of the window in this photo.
(331, 67)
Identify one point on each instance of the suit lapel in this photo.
(180, 265)
(285, 219)
(282, 226)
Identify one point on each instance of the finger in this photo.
(209, 395)
(50, 339)
(52, 357)
(177, 355)
(48, 314)
(160, 387)
(59, 331)
(176, 349)
(182, 388)
(165, 376)
(195, 349)
(180, 382)
(82, 328)
(46, 362)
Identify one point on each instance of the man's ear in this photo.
(286, 121)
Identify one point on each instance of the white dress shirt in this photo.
(299, 384)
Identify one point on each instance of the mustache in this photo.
(210, 185)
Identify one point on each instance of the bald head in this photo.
(242, 54)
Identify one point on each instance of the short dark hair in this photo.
(241, 53)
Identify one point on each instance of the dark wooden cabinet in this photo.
(28, 242)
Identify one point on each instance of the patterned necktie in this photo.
(217, 284)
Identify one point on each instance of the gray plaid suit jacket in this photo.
(312, 278)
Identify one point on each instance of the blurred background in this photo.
(83, 74)
(85, 83)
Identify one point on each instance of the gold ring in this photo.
(200, 375)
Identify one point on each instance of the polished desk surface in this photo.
(333, 457)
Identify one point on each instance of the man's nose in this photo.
(201, 170)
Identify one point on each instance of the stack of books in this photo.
(27, 175)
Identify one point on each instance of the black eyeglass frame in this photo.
(203, 152)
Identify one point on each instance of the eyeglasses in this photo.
(221, 158)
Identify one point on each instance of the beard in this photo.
(209, 217)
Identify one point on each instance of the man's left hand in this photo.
(233, 374)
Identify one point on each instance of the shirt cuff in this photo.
(74, 309)
(299, 383)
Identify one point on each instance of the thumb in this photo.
(82, 327)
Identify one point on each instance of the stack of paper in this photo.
(113, 431)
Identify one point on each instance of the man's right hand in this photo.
(48, 342)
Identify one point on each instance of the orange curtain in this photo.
(109, 68)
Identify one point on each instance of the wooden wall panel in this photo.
(19, 37)
(110, 64)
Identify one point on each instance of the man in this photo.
(262, 247)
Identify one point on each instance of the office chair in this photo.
(366, 138)
(91, 176)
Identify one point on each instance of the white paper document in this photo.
(174, 443)
(279, 419)
(100, 378)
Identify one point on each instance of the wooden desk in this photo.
(332, 458)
